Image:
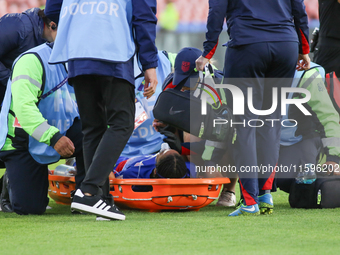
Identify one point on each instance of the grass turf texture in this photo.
(208, 231)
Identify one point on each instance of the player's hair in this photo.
(171, 166)
(42, 15)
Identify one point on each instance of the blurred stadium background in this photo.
(181, 22)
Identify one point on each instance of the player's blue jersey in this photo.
(141, 167)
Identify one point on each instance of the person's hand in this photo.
(158, 124)
(64, 147)
(201, 62)
(333, 168)
(173, 140)
(150, 82)
(303, 62)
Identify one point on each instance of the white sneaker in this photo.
(102, 219)
(227, 198)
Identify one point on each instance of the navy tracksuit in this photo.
(265, 39)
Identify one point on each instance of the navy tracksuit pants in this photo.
(260, 66)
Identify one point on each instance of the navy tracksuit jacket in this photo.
(265, 39)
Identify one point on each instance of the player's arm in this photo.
(302, 29)
(216, 16)
(10, 38)
(26, 88)
(326, 115)
(301, 25)
(217, 12)
(144, 22)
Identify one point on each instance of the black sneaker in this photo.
(6, 206)
(71, 196)
(95, 205)
(5, 203)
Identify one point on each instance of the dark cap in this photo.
(52, 9)
(185, 65)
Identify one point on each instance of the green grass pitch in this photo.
(208, 231)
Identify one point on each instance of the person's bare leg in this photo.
(230, 186)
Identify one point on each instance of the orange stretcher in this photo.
(165, 194)
(60, 188)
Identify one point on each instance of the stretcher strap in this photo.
(170, 200)
(183, 206)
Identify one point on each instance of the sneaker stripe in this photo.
(98, 203)
(79, 193)
(102, 206)
(102, 213)
(107, 208)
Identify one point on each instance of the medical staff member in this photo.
(266, 40)
(39, 125)
(186, 75)
(97, 41)
(19, 33)
(309, 140)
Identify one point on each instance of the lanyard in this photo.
(54, 89)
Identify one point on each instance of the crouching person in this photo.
(313, 139)
(39, 125)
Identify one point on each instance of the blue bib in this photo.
(6, 104)
(97, 30)
(59, 108)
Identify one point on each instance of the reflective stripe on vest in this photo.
(40, 130)
(310, 80)
(331, 142)
(58, 108)
(26, 77)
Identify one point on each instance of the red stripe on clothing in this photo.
(186, 151)
(212, 52)
(169, 86)
(247, 198)
(269, 183)
(304, 42)
(120, 166)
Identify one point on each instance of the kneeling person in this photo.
(314, 140)
(39, 125)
